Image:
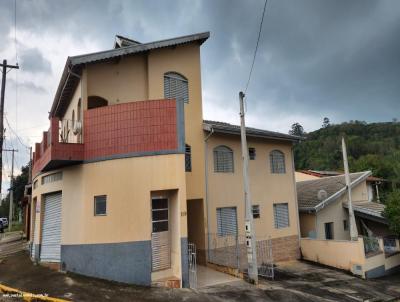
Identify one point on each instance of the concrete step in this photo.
(169, 282)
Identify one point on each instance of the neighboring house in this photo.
(323, 208)
(129, 172)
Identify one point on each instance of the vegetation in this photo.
(392, 211)
(374, 146)
(19, 186)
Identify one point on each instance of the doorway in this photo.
(196, 228)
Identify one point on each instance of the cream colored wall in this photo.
(124, 80)
(307, 224)
(73, 107)
(186, 61)
(336, 213)
(128, 184)
(339, 254)
(226, 189)
(303, 176)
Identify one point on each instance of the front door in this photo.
(160, 236)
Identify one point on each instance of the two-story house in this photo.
(129, 172)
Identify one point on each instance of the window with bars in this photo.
(176, 87)
(277, 162)
(188, 158)
(252, 153)
(227, 221)
(256, 211)
(100, 205)
(281, 215)
(51, 178)
(223, 159)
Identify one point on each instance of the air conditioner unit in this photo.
(77, 128)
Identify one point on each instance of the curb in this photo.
(15, 293)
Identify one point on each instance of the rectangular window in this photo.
(51, 178)
(159, 213)
(281, 215)
(252, 153)
(227, 221)
(329, 230)
(256, 211)
(100, 205)
(35, 184)
(188, 159)
(345, 225)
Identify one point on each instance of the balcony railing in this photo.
(130, 129)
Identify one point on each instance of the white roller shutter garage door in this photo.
(51, 230)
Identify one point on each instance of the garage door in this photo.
(51, 230)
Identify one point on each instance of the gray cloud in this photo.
(32, 60)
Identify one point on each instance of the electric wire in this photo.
(255, 51)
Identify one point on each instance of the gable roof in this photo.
(73, 66)
(369, 209)
(334, 186)
(226, 128)
(121, 41)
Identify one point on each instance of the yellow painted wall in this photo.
(128, 184)
(119, 81)
(226, 189)
(335, 253)
(66, 121)
(303, 176)
(307, 224)
(336, 213)
(184, 60)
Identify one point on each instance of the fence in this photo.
(230, 251)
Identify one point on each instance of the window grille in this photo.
(256, 211)
(277, 161)
(223, 159)
(188, 158)
(281, 215)
(227, 221)
(176, 87)
(252, 153)
(100, 205)
(51, 178)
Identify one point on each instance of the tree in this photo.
(392, 211)
(326, 122)
(297, 129)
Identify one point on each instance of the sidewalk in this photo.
(10, 236)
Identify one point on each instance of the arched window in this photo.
(96, 102)
(277, 162)
(223, 159)
(78, 110)
(176, 87)
(188, 158)
(73, 119)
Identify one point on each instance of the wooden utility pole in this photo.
(352, 220)
(251, 247)
(11, 210)
(3, 91)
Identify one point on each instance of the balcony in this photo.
(131, 129)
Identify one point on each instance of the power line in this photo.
(255, 51)
(16, 135)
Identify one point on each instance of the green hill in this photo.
(374, 146)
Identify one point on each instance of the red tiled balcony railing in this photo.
(123, 130)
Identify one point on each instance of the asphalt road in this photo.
(297, 281)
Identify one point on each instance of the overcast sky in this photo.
(339, 59)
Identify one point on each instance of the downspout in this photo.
(206, 187)
(295, 196)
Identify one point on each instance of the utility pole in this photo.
(352, 220)
(10, 213)
(249, 228)
(3, 91)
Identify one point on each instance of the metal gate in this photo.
(265, 259)
(160, 237)
(192, 265)
(34, 229)
(51, 229)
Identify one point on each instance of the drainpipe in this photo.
(206, 187)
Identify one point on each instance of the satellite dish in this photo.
(322, 195)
